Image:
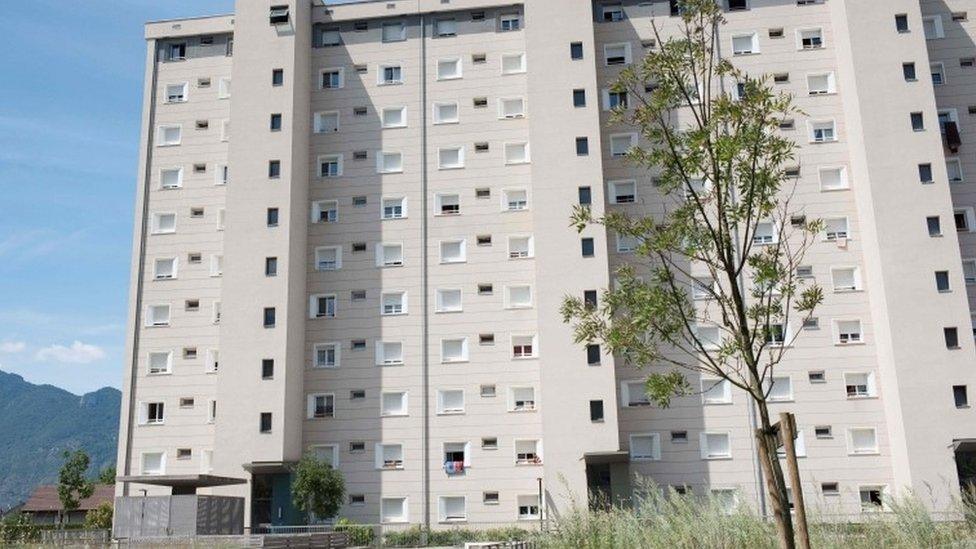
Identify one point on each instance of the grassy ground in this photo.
(684, 522)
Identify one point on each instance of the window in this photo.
(616, 54)
(450, 158)
(872, 498)
(177, 93)
(509, 22)
(330, 165)
(942, 281)
(925, 173)
(153, 463)
(325, 355)
(954, 170)
(394, 208)
(169, 135)
(612, 12)
(393, 303)
(585, 196)
(614, 100)
(450, 401)
(325, 211)
(822, 132)
(908, 70)
(859, 385)
(528, 507)
(389, 162)
(171, 178)
(161, 362)
(862, 440)
(453, 251)
(582, 146)
(393, 403)
(848, 332)
(901, 22)
(932, 27)
(515, 200)
(320, 406)
(833, 179)
(322, 306)
(389, 255)
(716, 445)
(326, 122)
(633, 394)
(623, 192)
(918, 121)
(267, 368)
(716, 391)
(521, 399)
(389, 75)
(576, 51)
(523, 346)
(645, 447)
(951, 336)
(621, 143)
(271, 217)
(821, 84)
(959, 396)
(627, 243)
(938, 73)
(269, 317)
(490, 498)
(511, 108)
(454, 350)
(596, 411)
(274, 169)
(745, 44)
(593, 355)
(394, 117)
(488, 391)
(445, 27)
(845, 279)
(449, 69)
(164, 268)
(153, 413)
(765, 233)
(448, 300)
(520, 247)
(516, 153)
(518, 297)
(969, 270)
(275, 124)
(528, 452)
(810, 39)
(451, 508)
(513, 63)
(964, 219)
(393, 510)
(781, 389)
(176, 52)
(587, 247)
(446, 113)
(277, 77)
(388, 353)
(836, 228)
(579, 98)
(394, 31)
(157, 315)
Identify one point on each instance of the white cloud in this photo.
(78, 353)
(12, 346)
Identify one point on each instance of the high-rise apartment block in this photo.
(352, 238)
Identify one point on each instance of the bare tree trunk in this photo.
(787, 422)
(775, 482)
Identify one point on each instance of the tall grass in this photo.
(671, 521)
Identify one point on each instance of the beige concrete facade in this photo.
(422, 159)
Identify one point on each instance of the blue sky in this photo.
(70, 100)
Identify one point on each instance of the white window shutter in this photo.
(703, 445)
(143, 413)
(378, 456)
(442, 507)
(467, 454)
(310, 407)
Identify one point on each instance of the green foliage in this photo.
(18, 528)
(359, 535)
(99, 518)
(412, 536)
(72, 484)
(668, 521)
(38, 422)
(317, 488)
(107, 475)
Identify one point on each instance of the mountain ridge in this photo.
(39, 422)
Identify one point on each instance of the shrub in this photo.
(99, 518)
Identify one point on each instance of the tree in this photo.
(72, 484)
(722, 254)
(317, 488)
(107, 475)
(99, 518)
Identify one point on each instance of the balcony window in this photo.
(522, 399)
(326, 355)
(328, 258)
(528, 452)
(321, 406)
(524, 346)
(520, 247)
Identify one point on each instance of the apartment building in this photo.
(361, 251)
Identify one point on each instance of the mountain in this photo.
(39, 422)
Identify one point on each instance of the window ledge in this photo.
(866, 397)
(154, 374)
(871, 453)
(716, 458)
(838, 344)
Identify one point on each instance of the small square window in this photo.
(582, 146)
(576, 50)
(274, 169)
(901, 22)
(579, 98)
(277, 77)
(267, 368)
(275, 124)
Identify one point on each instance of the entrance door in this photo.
(598, 486)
